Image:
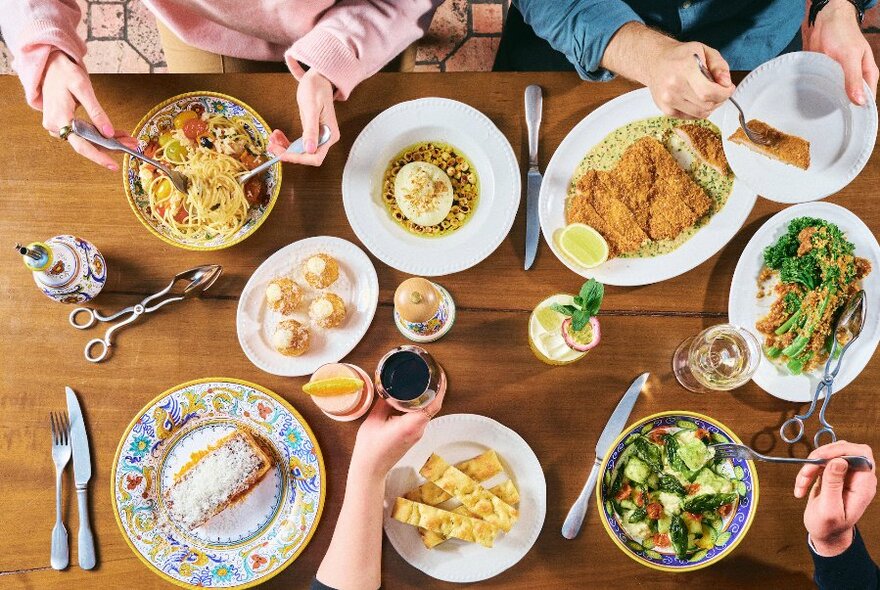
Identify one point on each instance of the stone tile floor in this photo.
(464, 35)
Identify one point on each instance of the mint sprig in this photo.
(586, 305)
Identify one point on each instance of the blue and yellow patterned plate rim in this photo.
(738, 524)
(219, 101)
(321, 474)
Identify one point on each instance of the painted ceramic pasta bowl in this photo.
(168, 119)
(255, 536)
(687, 513)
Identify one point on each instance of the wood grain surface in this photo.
(46, 190)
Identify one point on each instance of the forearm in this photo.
(633, 50)
(354, 558)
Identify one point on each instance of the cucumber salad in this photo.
(670, 494)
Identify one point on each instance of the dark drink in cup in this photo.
(409, 378)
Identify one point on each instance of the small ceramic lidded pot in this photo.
(66, 268)
(423, 311)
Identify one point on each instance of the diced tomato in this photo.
(702, 433)
(181, 215)
(640, 499)
(624, 492)
(193, 128)
(150, 150)
(249, 160)
(693, 489)
(725, 510)
(697, 517)
(253, 189)
(661, 540)
(657, 435)
(655, 510)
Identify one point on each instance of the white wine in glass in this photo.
(719, 358)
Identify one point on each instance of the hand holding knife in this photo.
(534, 107)
(572, 525)
(82, 472)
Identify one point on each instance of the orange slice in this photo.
(333, 386)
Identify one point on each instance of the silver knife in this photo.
(534, 107)
(82, 472)
(572, 525)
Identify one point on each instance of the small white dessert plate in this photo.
(802, 94)
(357, 285)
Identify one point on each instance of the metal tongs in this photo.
(197, 280)
(850, 322)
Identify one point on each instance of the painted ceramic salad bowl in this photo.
(252, 539)
(666, 501)
(162, 120)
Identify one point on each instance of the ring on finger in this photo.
(65, 131)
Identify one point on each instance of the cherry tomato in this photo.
(164, 190)
(181, 214)
(697, 517)
(174, 152)
(702, 433)
(182, 117)
(725, 510)
(161, 209)
(693, 489)
(624, 492)
(165, 138)
(661, 540)
(194, 127)
(657, 436)
(151, 148)
(655, 510)
(639, 499)
(252, 191)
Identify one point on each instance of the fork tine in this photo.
(52, 425)
(66, 428)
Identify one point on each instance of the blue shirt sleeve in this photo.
(580, 29)
(851, 570)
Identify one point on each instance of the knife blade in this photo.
(534, 107)
(82, 473)
(575, 518)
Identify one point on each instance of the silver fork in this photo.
(753, 135)
(735, 451)
(60, 556)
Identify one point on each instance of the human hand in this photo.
(837, 34)
(66, 85)
(837, 499)
(314, 95)
(385, 437)
(678, 86)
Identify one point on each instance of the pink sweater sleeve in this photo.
(355, 38)
(33, 29)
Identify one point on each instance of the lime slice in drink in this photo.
(545, 334)
(583, 245)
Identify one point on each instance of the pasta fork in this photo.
(735, 451)
(60, 425)
(754, 136)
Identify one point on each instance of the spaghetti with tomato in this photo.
(213, 151)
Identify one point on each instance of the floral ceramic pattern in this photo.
(160, 119)
(77, 273)
(435, 327)
(735, 525)
(249, 556)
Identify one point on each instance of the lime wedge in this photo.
(583, 245)
(333, 386)
(550, 319)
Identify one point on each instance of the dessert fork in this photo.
(753, 135)
(60, 556)
(735, 451)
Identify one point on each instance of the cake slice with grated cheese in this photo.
(216, 478)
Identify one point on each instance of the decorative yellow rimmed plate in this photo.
(158, 120)
(250, 541)
(654, 551)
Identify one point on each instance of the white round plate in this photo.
(708, 240)
(416, 121)
(357, 285)
(802, 94)
(458, 437)
(745, 309)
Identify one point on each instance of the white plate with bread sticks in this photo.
(467, 501)
(307, 305)
(820, 139)
(218, 482)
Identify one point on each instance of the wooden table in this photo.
(45, 190)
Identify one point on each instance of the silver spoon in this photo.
(296, 147)
(91, 134)
(754, 136)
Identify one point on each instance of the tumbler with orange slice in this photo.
(342, 391)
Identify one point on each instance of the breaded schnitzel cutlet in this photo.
(645, 196)
(705, 144)
(788, 149)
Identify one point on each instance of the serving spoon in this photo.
(91, 134)
(297, 147)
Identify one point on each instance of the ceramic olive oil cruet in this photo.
(66, 269)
